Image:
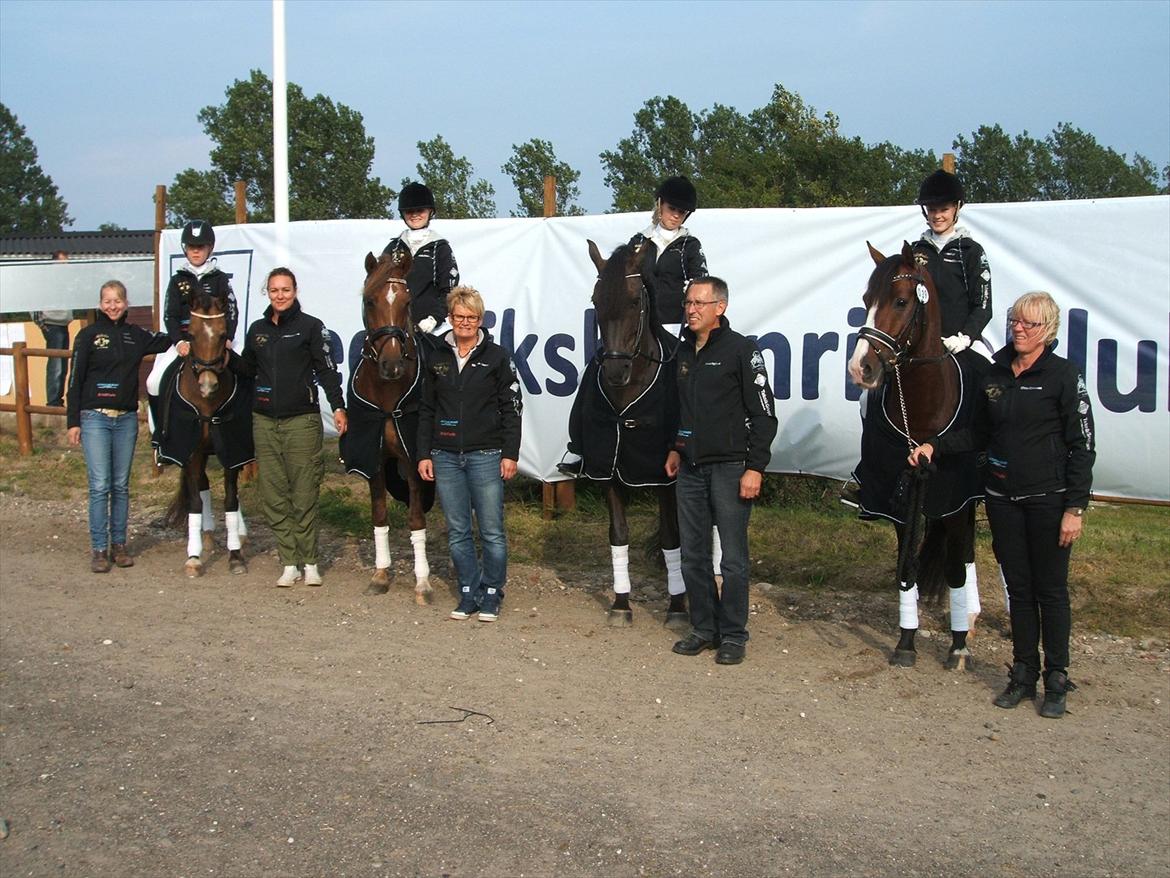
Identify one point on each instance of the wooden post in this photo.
(241, 189)
(160, 223)
(20, 393)
(550, 196)
(949, 162)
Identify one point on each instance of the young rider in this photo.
(433, 271)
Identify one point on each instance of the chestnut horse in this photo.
(383, 392)
(628, 417)
(901, 347)
(207, 391)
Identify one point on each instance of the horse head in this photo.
(386, 314)
(902, 319)
(207, 357)
(622, 305)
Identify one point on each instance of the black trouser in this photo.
(1025, 535)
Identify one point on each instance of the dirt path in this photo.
(155, 726)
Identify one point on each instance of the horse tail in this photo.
(177, 511)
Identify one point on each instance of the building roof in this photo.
(77, 244)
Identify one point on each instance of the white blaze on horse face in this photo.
(861, 349)
(390, 294)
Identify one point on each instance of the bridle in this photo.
(893, 350)
(602, 354)
(199, 365)
(376, 338)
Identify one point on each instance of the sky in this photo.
(110, 91)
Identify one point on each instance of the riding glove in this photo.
(957, 342)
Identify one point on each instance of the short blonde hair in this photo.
(1044, 307)
(467, 297)
(114, 285)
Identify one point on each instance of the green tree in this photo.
(29, 202)
(994, 166)
(530, 163)
(457, 195)
(330, 157)
(664, 142)
(1082, 168)
(111, 227)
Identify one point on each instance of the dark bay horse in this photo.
(900, 347)
(206, 396)
(383, 416)
(621, 420)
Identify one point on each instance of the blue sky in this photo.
(109, 92)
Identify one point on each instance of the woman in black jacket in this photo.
(1035, 420)
(288, 353)
(673, 256)
(102, 416)
(469, 443)
(433, 271)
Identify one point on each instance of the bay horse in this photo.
(621, 418)
(901, 347)
(206, 397)
(383, 412)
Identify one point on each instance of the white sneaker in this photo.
(312, 575)
(290, 577)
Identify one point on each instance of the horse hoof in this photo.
(677, 621)
(238, 566)
(208, 541)
(620, 618)
(193, 568)
(377, 586)
(424, 598)
(960, 660)
(904, 658)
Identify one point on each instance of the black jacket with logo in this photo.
(726, 408)
(962, 278)
(1037, 429)
(474, 409)
(667, 276)
(433, 273)
(288, 360)
(104, 369)
(177, 305)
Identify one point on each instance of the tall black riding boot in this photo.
(1056, 687)
(1021, 685)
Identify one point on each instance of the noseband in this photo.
(199, 365)
(375, 338)
(899, 345)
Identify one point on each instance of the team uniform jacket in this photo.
(433, 273)
(726, 408)
(473, 410)
(1037, 429)
(963, 280)
(667, 276)
(177, 305)
(285, 358)
(104, 371)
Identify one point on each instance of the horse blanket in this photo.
(177, 423)
(631, 444)
(957, 481)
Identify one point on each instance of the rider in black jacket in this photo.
(433, 271)
(673, 256)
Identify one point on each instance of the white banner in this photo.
(796, 280)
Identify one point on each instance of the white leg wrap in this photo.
(194, 535)
(232, 520)
(382, 547)
(674, 580)
(422, 567)
(621, 569)
(208, 515)
(1007, 600)
(908, 608)
(959, 621)
(974, 608)
(716, 552)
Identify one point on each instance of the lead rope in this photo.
(912, 487)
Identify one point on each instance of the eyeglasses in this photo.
(464, 318)
(1023, 324)
(695, 304)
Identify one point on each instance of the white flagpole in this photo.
(279, 128)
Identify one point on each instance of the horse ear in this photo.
(371, 262)
(907, 252)
(875, 254)
(595, 255)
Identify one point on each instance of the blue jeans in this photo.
(56, 338)
(708, 495)
(108, 444)
(466, 482)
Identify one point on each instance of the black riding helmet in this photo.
(415, 196)
(199, 233)
(678, 191)
(940, 188)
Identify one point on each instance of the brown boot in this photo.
(121, 556)
(100, 562)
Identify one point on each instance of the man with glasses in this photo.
(727, 422)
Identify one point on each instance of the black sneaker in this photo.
(730, 653)
(693, 644)
(1057, 685)
(489, 610)
(1018, 687)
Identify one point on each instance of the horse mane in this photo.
(613, 276)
